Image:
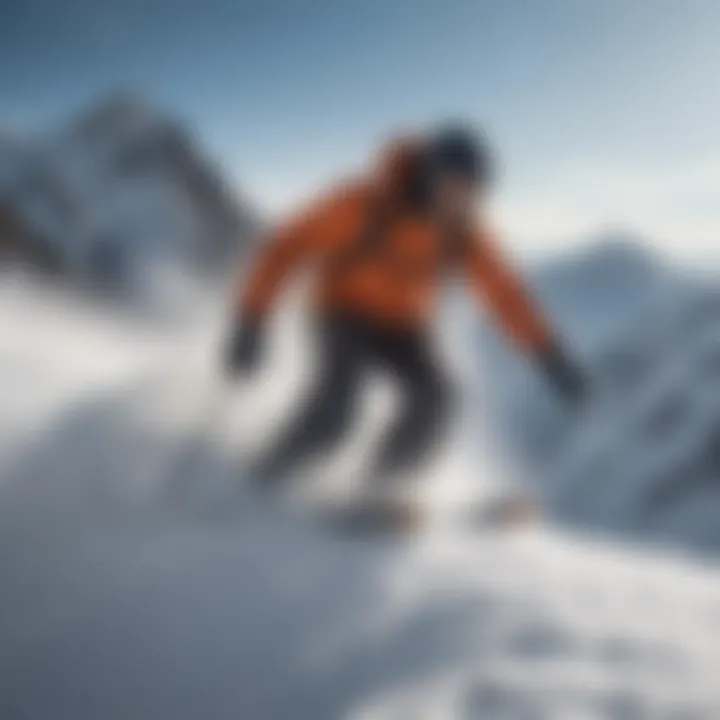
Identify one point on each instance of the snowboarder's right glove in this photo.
(563, 375)
(244, 347)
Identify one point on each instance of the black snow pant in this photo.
(349, 348)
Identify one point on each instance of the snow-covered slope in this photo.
(643, 455)
(115, 605)
(121, 191)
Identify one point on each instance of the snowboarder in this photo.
(381, 246)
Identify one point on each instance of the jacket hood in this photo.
(400, 168)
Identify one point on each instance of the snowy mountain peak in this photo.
(118, 191)
(121, 110)
(642, 454)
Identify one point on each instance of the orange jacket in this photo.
(393, 279)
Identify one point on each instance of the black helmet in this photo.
(457, 149)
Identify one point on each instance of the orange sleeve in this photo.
(320, 229)
(507, 296)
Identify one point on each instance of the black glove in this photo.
(563, 375)
(244, 347)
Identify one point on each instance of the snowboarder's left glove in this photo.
(244, 347)
(564, 376)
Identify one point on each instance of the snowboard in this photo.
(406, 517)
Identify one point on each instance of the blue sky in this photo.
(605, 112)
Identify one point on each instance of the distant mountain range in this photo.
(118, 190)
(643, 455)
